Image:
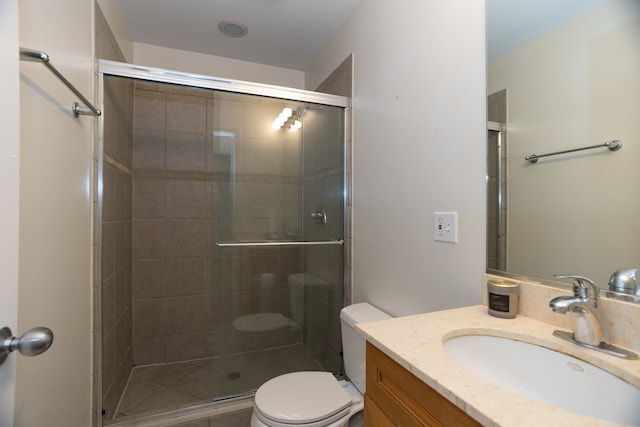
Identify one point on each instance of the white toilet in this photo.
(318, 399)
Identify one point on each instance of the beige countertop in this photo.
(416, 343)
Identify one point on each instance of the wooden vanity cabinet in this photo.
(396, 397)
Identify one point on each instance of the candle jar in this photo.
(502, 298)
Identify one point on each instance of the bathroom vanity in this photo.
(413, 380)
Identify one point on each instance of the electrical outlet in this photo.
(445, 226)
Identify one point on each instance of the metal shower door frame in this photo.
(159, 75)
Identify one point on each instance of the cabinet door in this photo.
(373, 415)
(406, 400)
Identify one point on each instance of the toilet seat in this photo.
(310, 399)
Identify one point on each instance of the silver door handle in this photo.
(32, 343)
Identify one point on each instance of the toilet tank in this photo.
(353, 344)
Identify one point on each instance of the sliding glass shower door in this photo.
(221, 239)
(277, 230)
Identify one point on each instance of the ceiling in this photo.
(291, 33)
(511, 23)
(282, 33)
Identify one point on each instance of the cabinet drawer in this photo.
(405, 399)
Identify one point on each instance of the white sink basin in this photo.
(548, 376)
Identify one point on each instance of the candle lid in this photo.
(502, 283)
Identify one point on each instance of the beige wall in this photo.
(118, 26)
(573, 87)
(419, 147)
(54, 389)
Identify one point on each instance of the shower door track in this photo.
(122, 69)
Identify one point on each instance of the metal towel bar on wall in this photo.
(77, 109)
(278, 243)
(614, 145)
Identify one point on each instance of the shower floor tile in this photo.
(159, 388)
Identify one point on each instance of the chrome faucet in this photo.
(583, 306)
(585, 311)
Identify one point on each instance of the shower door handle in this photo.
(32, 343)
(279, 243)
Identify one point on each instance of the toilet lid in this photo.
(301, 397)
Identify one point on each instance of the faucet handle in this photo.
(581, 286)
(625, 280)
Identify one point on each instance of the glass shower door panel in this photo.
(323, 193)
(257, 193)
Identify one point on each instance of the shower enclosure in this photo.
(497, 181)
(222, 237)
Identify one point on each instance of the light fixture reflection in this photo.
(286, 118)
(297, 124)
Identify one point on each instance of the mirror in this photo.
(571, 81)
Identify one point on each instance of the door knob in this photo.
(32, 343)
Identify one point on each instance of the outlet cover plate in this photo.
(445, 226)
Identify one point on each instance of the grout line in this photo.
(124, 393)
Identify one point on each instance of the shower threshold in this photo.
(234, 410)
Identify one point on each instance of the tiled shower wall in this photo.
(205, 170)
(171, 299)
(116, 225)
